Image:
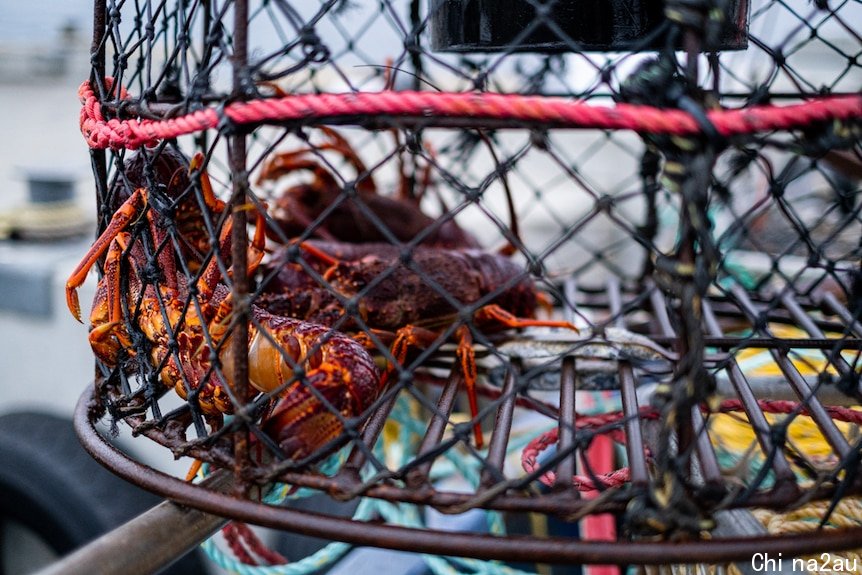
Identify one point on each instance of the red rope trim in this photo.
(232, 538)
(101, 133)
(245, 544)
(530, 454)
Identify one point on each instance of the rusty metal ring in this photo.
(518, 548)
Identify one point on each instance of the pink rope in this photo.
(245, 545)
(101, 133)
(530, 454)
(529, 461)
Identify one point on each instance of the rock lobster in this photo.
(321, 207)
(409, 303)
(407, 296)
(186, 321)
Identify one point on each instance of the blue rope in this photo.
(322, 558)
(409, 434)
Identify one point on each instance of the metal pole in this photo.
(149, 542)
(239, 236)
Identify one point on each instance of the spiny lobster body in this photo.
(407, 299)
(335, 366)
(186, 329)
(298, 206)
(429, 289)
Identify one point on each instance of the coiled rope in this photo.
(604, 423)
(409, 428)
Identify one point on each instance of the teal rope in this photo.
(322, 558)
(406, 515)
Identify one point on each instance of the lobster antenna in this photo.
(509, 248)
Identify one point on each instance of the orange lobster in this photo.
(187, 347)
(408, 309)
(408, 306)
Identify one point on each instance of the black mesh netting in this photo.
(466, 310)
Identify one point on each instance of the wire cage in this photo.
(401, 254)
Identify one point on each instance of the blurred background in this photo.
(49, 487)
(44, 55)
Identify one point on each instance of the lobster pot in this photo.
(604, 307)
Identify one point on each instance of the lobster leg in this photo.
(102, 335)
(213, 203)
(128, 212)
(467, 358)
(212, 275)
(491, 313)
(288, 162)
(414, 336)
(323, 256)
(495, 314)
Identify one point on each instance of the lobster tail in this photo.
(302, 421)
(341, 381)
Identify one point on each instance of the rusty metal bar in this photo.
(370, 434)
(628, 394)
(239, 233)
(634, 437)
(758, 422)
(99, 158)
(436, 427)
(566, 428)
(148, 543)
(709, 467)
(493, 470)
(509, 548)
(802, 388)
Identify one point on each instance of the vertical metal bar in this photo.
(706, 456)
(783, 472)
(436, 427)
(97, 48)
(414, 49)
(493, 471)
(634, 437)
(659, 307)
(566, 430)
(202, 138)
(239, 233)
(615, 302)
(99, 158)
(628, 396)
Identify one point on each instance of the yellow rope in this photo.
(732, 434)
(758, 362)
